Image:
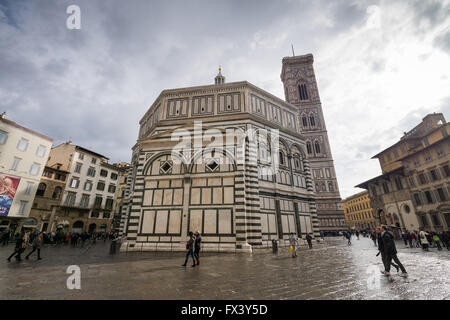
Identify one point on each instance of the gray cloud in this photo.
(93, 85)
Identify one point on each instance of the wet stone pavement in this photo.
(330, 271)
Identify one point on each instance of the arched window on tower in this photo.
(304, 122)
(303, 93)
(330, 186)
(317, 147)
(281, 158)
(309, 147)
(312, 121)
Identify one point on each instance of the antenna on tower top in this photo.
(293, 54)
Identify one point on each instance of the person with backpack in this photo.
(390, 252)
(190, 249)
(382, 251)
(348, 235)
(37, 242)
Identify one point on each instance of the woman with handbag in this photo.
(190, 249)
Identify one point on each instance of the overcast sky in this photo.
(381, 66)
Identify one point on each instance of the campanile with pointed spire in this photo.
(300, 87)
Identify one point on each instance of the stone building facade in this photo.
(122, 185)
(227, 159)
(412, 191)
(44, 213)
(358, 212)
(428, 172)
(91, 188)
(301, 90)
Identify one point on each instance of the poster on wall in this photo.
(8, 188)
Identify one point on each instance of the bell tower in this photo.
(300, 89)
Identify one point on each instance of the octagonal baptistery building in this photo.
(236, 196)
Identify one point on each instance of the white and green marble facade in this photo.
(234, 204)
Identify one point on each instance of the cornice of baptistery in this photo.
(214, 89)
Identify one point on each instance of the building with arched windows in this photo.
(228, 160)
(301, 91)
(413, 190)
(48, 198)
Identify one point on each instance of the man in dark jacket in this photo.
(445, 239)
(390, 252)
(19, 247)
(381, 250)
(197, 246)
(309, 240)
(190, 249)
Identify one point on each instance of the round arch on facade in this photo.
(208, 150)
(152, 159)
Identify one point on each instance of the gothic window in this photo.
(41, 189)
(317, 147)
(398, 183)
(304, 122)
(57, 193)
(330, 186)
(312, 121)
(303, 93)
(309, 147)
(281, 158)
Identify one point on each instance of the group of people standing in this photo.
(426, 239)
(421, 239)
(193, 247)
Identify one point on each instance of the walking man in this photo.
(348, 235)
(309, 240)
(391, 252)
(21, 244)
(382, 251)
(292, 243)
(190, 249)
(197, 246)
(37, 242)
